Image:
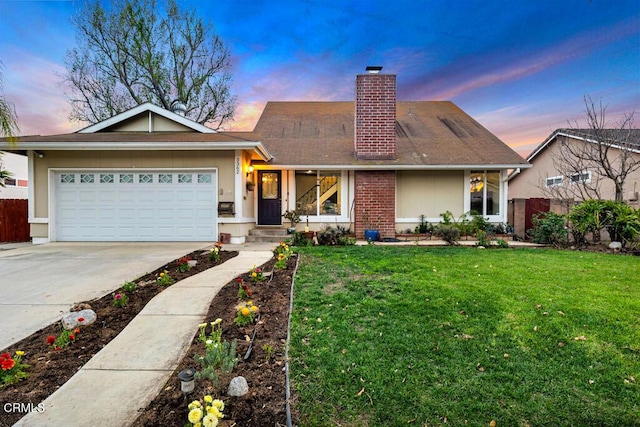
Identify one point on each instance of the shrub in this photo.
(587, 217)
(549, 229)
(338, 236)
(449, 233)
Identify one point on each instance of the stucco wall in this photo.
(429, 193)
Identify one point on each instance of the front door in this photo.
(269, 201)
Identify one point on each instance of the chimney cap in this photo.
(374, 69)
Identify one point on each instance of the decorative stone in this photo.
(616, 246)
(238, 387)
(71, 320)
(481, 247)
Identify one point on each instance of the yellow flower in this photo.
(217, 322)
(245, 311)
(195, 415)
(208, 399)
(254, 308)
(161, 274)
(202, 325)
(212, 410)
(254, 274)
(19, 353)
(218, 404)
(210, 421)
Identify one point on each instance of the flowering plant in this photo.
(256, 274)
(207, 415)
(243, 289)
(183, 264)
(129, 286)
(214, 254)
(164, 279)
(246, 313)
(217, 354)
(283, 253)
(120, 300)
(65, 338)
(12, 368)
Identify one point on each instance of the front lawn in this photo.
(391, 336)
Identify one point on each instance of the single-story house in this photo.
(150, 174)
(15, 185)
(549, 176)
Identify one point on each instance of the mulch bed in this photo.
(49, 369)
(265, 404)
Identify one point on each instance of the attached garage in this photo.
(135, 205)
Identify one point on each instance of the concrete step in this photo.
(264, 235)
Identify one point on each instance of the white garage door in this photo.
(136, 206)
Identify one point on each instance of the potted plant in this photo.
(294, 218)
(371, 232)
(250, 186)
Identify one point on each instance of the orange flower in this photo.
(245, 311)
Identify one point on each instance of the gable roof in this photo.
(429, 135)
(587, 135)
(149, 109)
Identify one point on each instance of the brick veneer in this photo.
(376, 199)
(375, 117)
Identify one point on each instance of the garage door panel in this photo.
(135, 206)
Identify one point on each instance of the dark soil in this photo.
(49, 369)
(265, 404)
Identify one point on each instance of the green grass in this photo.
(392, 336)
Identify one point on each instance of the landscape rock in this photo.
(616, 246)
(238, 387)
(70, 321)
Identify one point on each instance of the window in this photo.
(165, 178)
(106, 178)
(126, 178)
(554, 181)
(185, 178)
(67, 178)
(581, 177)
(485, 196)
(8, 182)
(87, 178)
(145, 178)
(204, 178)
(318, 192)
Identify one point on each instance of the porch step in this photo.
(267, 235)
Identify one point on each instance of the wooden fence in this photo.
(14, 222)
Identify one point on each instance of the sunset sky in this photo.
(519, 67)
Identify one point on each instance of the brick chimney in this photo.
(375, 115)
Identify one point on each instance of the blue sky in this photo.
(519, 67)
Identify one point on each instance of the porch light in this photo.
(187, 380)
(249, 170)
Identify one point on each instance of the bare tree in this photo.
(588, 157)
(137, 51)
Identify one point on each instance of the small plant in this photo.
(183, 264)
(129, 287)
(246, 313)
(293, 217)
(483, 239)
(164, 279)
(424, 227)
(449, 233)
(502, 244)
(214, 253)
(244, 292)
(549, 228)
(256, 274)
(65, 338)
(283, 253)
(269, 350)
(12, 369)
(120, 300)
(207, 414)
(218, 354)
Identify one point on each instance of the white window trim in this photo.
(345, 197)
(502, 216)
(553, 181)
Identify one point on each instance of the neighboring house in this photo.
(544, 180)
(15, 186)
(151, 174)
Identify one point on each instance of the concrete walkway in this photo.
(130, 371)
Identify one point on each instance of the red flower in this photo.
(76, 330)
(57, 348)
(80, 319)
(118, 296)
(72, 337)
(51, 339)
(4, 356)
(239, 280)
(7, 364)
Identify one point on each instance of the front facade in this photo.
(152, 175)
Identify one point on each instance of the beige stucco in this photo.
(429, 193)
(530, 183)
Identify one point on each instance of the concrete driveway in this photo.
(38, 284)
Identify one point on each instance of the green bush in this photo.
(549, 229)
(620, 220)
(338, 236)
